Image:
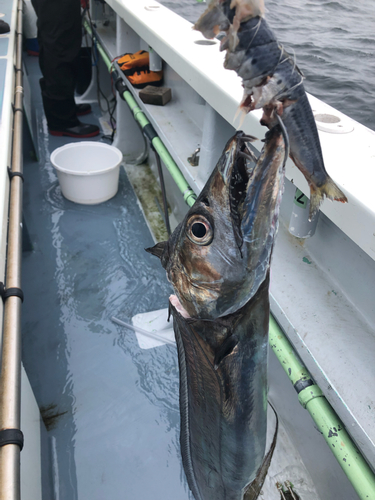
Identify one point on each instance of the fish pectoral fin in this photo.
(158, 249)
(225, 349)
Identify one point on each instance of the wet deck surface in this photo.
(111, 407)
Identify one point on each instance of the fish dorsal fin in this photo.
(225, 349)
(158, 249)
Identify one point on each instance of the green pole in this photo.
(179, 179)
(309, 394)
(311, 397)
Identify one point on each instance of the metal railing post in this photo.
(11, 437)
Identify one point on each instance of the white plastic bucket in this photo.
(88, 172)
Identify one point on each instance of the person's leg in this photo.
(59, 36)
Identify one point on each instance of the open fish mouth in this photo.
(219, 255)
(249, 179)
(237, 179)
(254, 198)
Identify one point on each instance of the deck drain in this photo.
(325, 118)
(333, 124)
(151, 8)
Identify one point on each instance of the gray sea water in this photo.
(334, 43)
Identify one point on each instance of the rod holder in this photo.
(156, 63)
(300, 225)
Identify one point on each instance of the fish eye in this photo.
(199, 230)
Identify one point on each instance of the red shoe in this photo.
(83, 109)
(81, 131)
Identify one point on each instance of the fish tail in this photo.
(320, 187)
(329, 190)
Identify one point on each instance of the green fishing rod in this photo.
(328, 423)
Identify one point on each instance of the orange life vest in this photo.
(131, 61)
(142, 77)
(136, 69)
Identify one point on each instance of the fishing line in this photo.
(297, 84)
(257, 27)
(285, 136)
(163, 192)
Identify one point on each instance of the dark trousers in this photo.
(59, 37)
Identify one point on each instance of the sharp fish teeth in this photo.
(248, 138)
(244, 155)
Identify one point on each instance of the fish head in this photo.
(212, 21)
(219, 255)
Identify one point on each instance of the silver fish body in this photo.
(272, 81)
(218, 262)
(223, 398)
(305, 149)
(257, 53)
